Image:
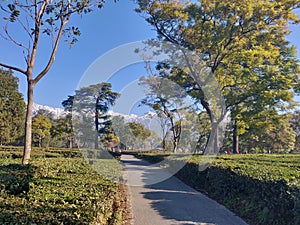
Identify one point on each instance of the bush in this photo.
(62, 189)
(262, 189)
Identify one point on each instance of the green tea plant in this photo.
(56, 190)
(261, 188)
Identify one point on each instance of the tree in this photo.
(295, 122)
(140, 134)
(269, 132)
(94, 102)
(120, 129)
(12, 108)
(167, 99)
(41, 127)
(242, 42)
(62, 129)
(35, 19)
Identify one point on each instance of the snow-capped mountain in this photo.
(56, 112)
(133, 117)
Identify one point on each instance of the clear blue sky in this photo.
(114, 25)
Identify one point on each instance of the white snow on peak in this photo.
(56, 112)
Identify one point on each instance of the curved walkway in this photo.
(157, 198)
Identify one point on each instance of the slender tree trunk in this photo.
(70, 143)
(96, 128)
(175, 145)
(212, 144)
(235, 139)
(28, 124)
(40, 142)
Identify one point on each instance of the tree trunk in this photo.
(70, 143)
(40, 142)
(212, 144)
(235, 139)
(175, 144)
(28, 124)
(96, 128)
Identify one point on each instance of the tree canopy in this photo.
(12, 109)
(244, 45)
(89, 104)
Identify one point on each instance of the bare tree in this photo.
(37, 18)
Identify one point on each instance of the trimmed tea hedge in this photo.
(58, 190)
(262, 189)
(16, 152)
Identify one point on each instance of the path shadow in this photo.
(175, 201)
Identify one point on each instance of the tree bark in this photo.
(28, 124)
(70, 143)
(212, 144)
(235, 139)
(96, 128)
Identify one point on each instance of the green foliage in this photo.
(62, 133)
(266, 132)
(92, 103)
(295, 122)
(41, 127)
(121, 131)
(262, 189)
(139, 134)
(12, 109)
(56, 190)
(244, 45)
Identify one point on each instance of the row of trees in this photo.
(266, 131)
(243, 44)
(86, 112)
(281, 133)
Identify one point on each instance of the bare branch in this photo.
(38, 22)
(11, 38)
(13, 68)
(53, 53)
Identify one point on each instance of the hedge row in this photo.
(17, 152)
(59, 190)
(262, 189)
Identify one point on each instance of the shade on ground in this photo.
(158, 198)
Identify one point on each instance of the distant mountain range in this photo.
(57, 112)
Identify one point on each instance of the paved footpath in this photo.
(158, 198)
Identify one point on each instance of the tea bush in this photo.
(262, 189)
(62, 189)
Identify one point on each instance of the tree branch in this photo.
(12, 39)
(53, 53)
(13, 68)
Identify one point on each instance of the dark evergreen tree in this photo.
(12, 109)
